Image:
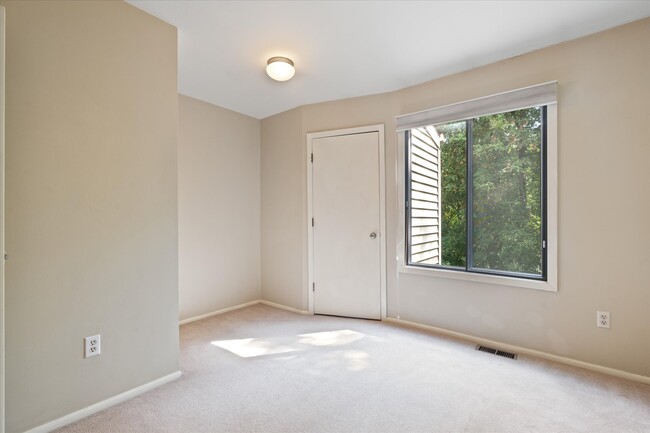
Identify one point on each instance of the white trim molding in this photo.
(283, 307)
(240, 306)
(217, 312)
(524, 351)
(531, 96)
(105, 404)
(379, 128)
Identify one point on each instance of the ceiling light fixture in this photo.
(280, 68)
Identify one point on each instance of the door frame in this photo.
(382, 208)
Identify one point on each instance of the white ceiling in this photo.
(343, 49)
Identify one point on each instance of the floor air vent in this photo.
(496, 352)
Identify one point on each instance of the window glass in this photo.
(475, 194)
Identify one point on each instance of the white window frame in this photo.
(542, 94)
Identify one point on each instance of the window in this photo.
(476, 185)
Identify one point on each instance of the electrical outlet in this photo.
(603, 319)
(92, 346)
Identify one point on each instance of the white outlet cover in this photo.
(92, 346)
(603, 319)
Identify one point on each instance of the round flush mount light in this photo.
(280, 68)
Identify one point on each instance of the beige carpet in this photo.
(260, 369)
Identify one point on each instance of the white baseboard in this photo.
(105, 404)
(237, 307)
(283, 307)
(524, 351)
(215, 313)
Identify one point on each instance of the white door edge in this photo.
(382, 208)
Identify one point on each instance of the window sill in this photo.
(480, 278)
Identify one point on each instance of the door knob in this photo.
(373, 235)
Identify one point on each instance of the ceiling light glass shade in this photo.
(280, 68)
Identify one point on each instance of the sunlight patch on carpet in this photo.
(252, 347)
(331, 338)
(357, 360)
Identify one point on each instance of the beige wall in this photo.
(91, 222)
(603, 203)
(2, 217)
(283, 207)
(218, 208)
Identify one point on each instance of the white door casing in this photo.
(346, 202)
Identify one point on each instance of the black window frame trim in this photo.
(469, 217)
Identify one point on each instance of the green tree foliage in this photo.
(453, 160)
(507, 191)
(506, 207)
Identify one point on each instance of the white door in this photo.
(346, 232)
